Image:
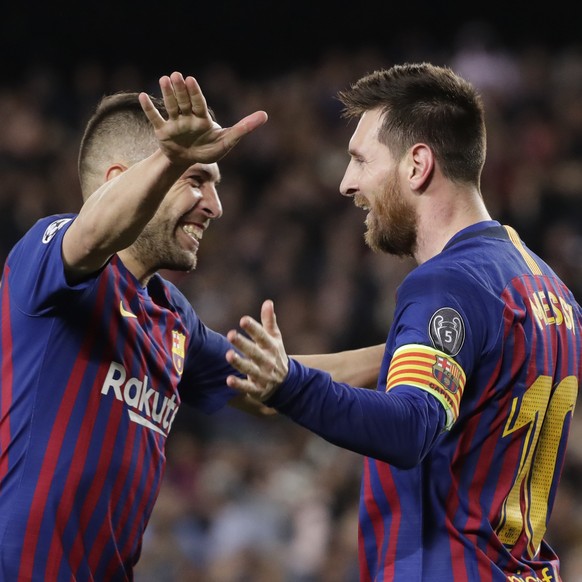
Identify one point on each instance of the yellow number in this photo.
(544, 417)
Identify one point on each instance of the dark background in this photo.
(260, 38)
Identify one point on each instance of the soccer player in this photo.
(98, 350)
(466, 434)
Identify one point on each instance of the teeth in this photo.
(192, 231)
(360, 203)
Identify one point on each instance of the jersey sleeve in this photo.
(398, 427)
(439, 331)
(36, 270)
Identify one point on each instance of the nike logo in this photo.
(124, 311)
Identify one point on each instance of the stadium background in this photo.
(262, 500)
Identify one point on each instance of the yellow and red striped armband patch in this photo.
(430, 370)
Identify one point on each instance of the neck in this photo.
(135, 267)
(439, 222)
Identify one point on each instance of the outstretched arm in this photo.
(113, 217)
(359, 367)
(267, 356)
(398, 427)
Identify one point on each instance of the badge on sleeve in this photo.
(447, 331)
(53, 228)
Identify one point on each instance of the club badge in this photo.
(178, 352)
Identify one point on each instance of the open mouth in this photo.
(362, 203)
(193, 232)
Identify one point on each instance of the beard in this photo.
(392, 223)
(157, 247)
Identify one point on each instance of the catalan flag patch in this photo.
(430, 370)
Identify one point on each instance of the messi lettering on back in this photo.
(551, 310)
(447, 331)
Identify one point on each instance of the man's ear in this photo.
(114, 171)
(421, 164)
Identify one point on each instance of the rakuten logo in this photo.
(145, 402)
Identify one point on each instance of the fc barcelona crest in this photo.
(447, 373)
(178, 351)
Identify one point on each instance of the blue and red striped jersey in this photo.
(92, 377)
(489, 331)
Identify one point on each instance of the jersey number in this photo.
(544, 417)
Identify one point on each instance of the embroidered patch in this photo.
(447, 331)
(178, 352)
(53, 228)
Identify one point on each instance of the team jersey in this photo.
(92, 378)
(460, 491)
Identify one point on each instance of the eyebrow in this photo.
(206, 175)
(355, 153)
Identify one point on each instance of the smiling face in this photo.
(171, 239)
(373, 180)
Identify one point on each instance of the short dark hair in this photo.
(118, 130)
(425, 103)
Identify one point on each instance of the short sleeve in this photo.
(36, 270)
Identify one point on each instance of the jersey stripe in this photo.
(374, 519)
(104, 537)
(52, 453)
(391, 541)
(72, 482)
(77, 552)
(7, 380)
(529, 260)
(106, 444)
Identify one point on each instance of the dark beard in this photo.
(156, 247)
(392, 225)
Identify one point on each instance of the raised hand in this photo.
(189, 135)
(264, 360)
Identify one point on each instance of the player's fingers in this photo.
(232, 135)
(257, 332)
(243, 365)
(181, 93)
(169, 97)
(269, 318)
(249, 348)
(247, 367)
(150, 111)
(196, 97)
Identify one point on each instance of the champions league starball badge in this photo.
(53, 228)
(447, 331)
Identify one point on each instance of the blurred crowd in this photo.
(261, 500)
